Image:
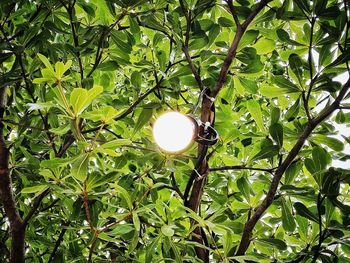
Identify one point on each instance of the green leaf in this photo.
(125, 195)
(80, 167)
(264, 46)
(46, 63)
(344, 57)
(136, 79)
(167, 230)
(287, 217)
(279, 244)
(303, 4)
(284, 37)
(121, 230)
(319, 6)
(108, 66)
(162, 59)
(293, 111)
(213, 33)
(303, 211)
(34, 189)
(331, 142)
(267, 152)
(244, 187)
(116, 144)
(144, 118)
(151, 249)
(276, 131)
(248, 38)
(136, 220)
(286, 84)
(253, 67)
(296, 65)
(320, 158)
(249, 85)
(254, 109)
(81, 98)
(225, 22)
(275, 115)
(134, 26)
(292, 171)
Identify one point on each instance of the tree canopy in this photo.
(82, 82)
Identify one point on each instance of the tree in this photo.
(81, 84)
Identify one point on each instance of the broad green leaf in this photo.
(303, 211)
(116, 144)
(285, 84)
(264, 46)
(80, 167)
(279, 244)
(292, 172)
(167, 230)
(344, 57)
(108, 66)
(296, 65)
(81, 98)
(276, 131)
(46, 63)
(331, 142)
(225, 22)
(267, 152)
(244, 187)
(34, 189)
(136, 220)
(144, 117)
(303, 4)
(320, 158)
(272, 91)
(293, 111)
(125, 195)
(287, 217)
(255, 110)
(136, 79)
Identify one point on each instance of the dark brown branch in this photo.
(195, 71)
(233, 49)
(6, 194)
(105, 32)
(70, 9)
(206, 116)
(58, 241)
(175, 186)
(307, 98)
(87, 209)
(249, 226)
(35, 206)
(233, 12)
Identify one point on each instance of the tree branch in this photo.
(35, 206)
(103, 36)
(249, 226)
(195, 72)
(58, 241)
(6, 194)
(69, 9)
(233, 12)
(233, 49)
(206, 116)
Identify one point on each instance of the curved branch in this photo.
(249, 226)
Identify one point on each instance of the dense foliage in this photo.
(82, 81)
